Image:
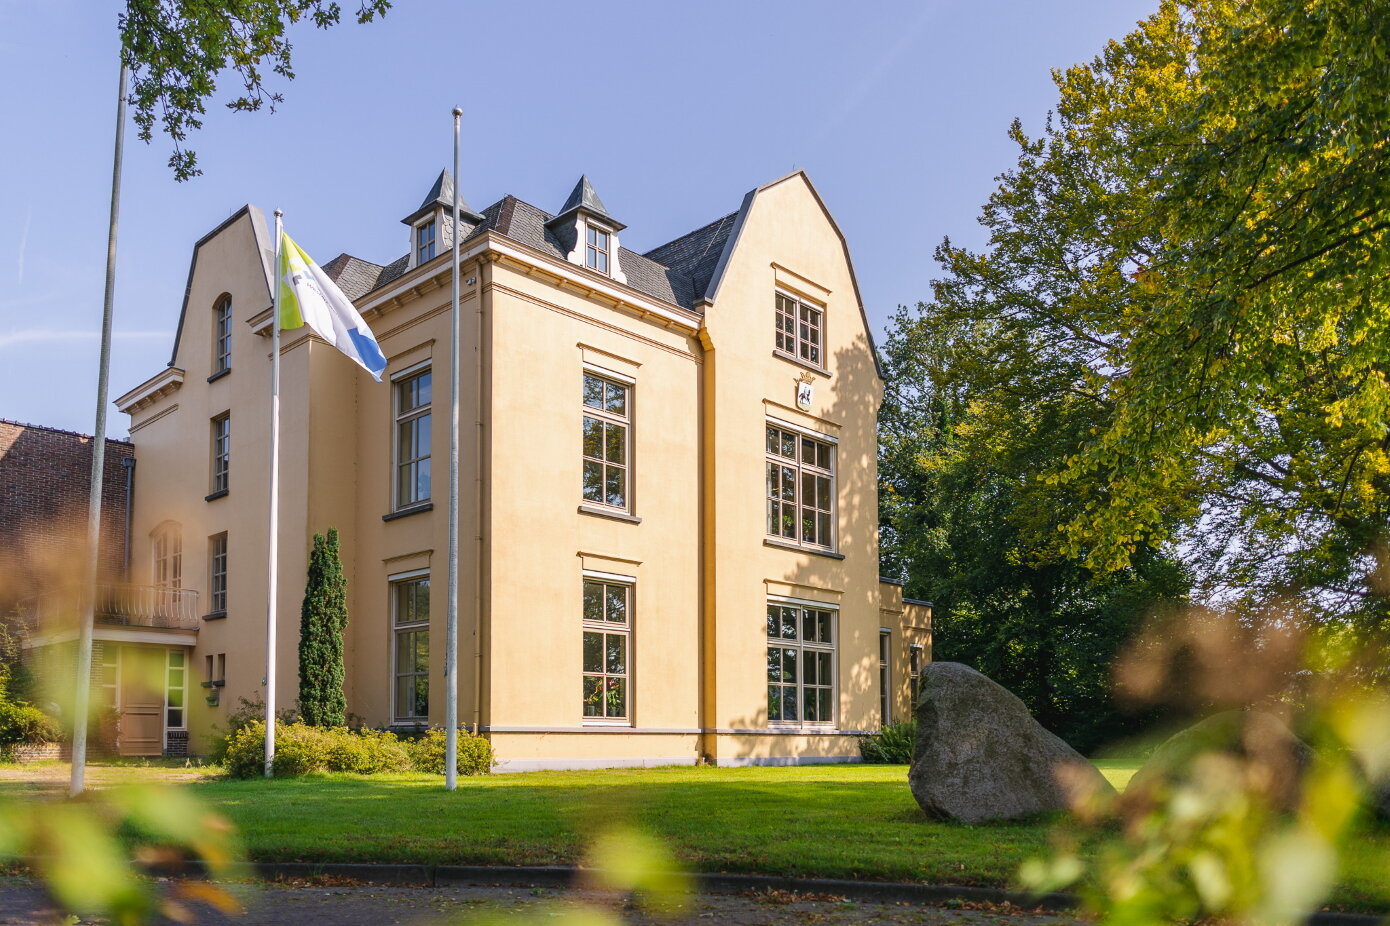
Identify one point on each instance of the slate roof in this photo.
(442, 194)
(696, 254)
(354, 276)
(526, 224)
(583, 196)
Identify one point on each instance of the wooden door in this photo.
(142, 700)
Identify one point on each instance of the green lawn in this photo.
(1118, 771)
(825, 821)
(844, 821)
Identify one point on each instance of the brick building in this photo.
(44, 486)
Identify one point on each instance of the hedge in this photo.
(26, 724)
(300, 748)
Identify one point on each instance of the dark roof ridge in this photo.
(526, 224)
(584, 198)
(505, 211)
(690, 234)
(344, 258)
(53, 430)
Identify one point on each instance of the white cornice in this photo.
(587, 282)
(596, 284)
(414, 283)
(112, 634)
(164, 383)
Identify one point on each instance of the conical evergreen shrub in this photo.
(322, 620)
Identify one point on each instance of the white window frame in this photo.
(110, 658)
(626, 629)
(885, 675)
(166, 556)
(397, 418)
(222, 334)
(794, 338)
(221, 453)
(214, 574)
(800, 470)
(608, 419)
(801, 646)
(915, 652)
(169, 669)
(397, 629)
(433, 244)
(591, 249)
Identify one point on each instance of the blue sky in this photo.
(898, 110)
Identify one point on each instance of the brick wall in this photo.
(44, 485)
(175, 744)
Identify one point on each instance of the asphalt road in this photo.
(23, 903)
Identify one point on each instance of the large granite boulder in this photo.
(981, 756)
(1254, 738)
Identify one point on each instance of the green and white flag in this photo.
(309, 297)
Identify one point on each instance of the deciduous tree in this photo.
(177, 50)
(1194, 249)
(1252, 345)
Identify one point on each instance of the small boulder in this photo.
(1255, 738)
(981, 756)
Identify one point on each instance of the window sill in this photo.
(219, 374)
(798, 548)
(413, 726)
(407, 512)
(615, 514)
(220, 493)
(607, 724)
(807, 729)
(215, 616)
(792, 358)
(215, 683)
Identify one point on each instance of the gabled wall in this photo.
(785, 238)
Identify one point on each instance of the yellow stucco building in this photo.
(668, 497)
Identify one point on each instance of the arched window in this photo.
(166, 555)
(222, 334)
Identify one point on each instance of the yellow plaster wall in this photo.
(540, 541)
(787, 238)
(173, 471)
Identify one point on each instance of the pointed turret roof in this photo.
(442, 195)
(583, 198)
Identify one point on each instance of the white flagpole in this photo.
(451, 631)
(274, 542)
(83, 682)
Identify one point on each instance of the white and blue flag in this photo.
(309, 297)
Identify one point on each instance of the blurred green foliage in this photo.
(1241, 820)
(86, 851)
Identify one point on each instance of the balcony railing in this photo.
(122, 605)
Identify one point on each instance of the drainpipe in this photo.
(707, 673)
(483, 273)
(128, 463)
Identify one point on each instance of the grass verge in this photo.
(844, 821)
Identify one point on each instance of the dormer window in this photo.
(588, 234)
(596, 248)
(424, 242)
(428, 236)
